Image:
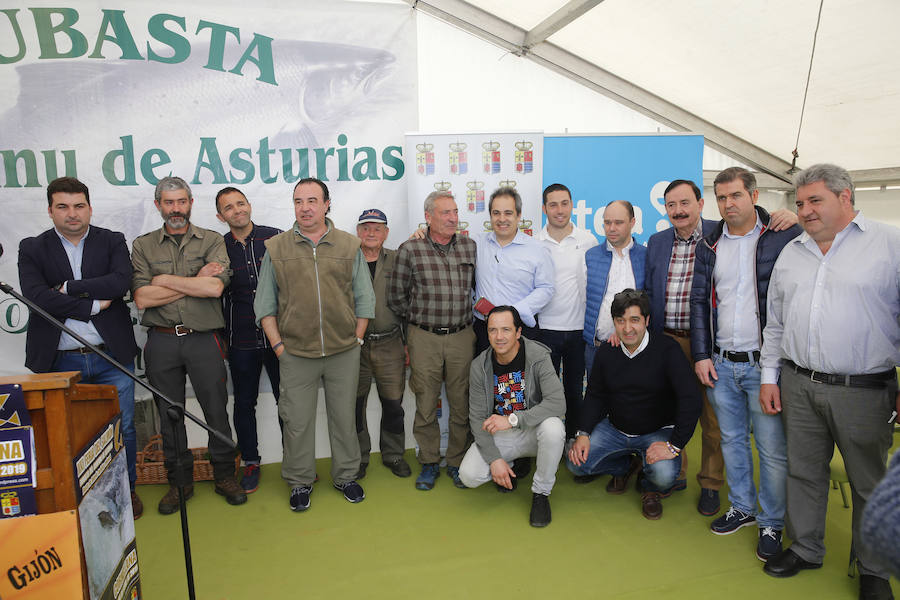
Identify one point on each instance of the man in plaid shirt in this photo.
(430, 290)
(670, 270)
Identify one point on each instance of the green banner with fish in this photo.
(105, 516)
(120, 93)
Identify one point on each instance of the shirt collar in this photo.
(625, 250)
(63, 239)
(859, 220)
(640, 347)
(757, 228)
(545, 235)
(328, 227)
(695, 235)
(518, 239)
(250, 236)
(191, 231)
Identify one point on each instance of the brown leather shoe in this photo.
(137, 507)
(651, 507)
(169, 503)
(232, 491)
(618, 483)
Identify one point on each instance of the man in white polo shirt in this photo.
(562, 319)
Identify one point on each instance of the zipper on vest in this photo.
(319, 298)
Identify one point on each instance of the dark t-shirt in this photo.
(509, 384)
(373, 264)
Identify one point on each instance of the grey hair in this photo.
(835, 178)
(432, 197)
(167, 184)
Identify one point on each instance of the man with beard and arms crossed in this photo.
(640, 407)
(728, 313)
(833, 329)
(314, 301)
(430, 290)
(248, 348)
(180, 271)
(516, 402)
(562, 319)
(383, 356)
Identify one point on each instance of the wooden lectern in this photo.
(65, 416)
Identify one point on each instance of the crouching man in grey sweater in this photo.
(516, 405)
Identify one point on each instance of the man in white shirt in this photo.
(563, 317)
(611, 267)
(833, 330)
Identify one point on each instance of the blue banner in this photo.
(600, 169)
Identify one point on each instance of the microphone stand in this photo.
(174, 412)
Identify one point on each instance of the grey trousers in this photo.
(168, 359)
(297, 408)
(816, 417)
(385, 361)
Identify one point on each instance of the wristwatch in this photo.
(580, 433)
(513, 419)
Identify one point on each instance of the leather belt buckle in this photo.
(181, 330)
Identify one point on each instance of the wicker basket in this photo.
(151, 466)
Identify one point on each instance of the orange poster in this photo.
(39, 557)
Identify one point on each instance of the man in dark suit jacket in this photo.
(79, 274)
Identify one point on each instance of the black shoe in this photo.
(300, 497)
(874, 588)
(399, 467)
(522, 466)
(586, 478)
(787, 564)
(361, 473)
(169, 503)
(540, 510)
(708, 505)
(353, 492)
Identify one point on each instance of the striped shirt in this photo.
(679, 279)
(433, 287)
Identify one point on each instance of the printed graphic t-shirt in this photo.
(509, 384)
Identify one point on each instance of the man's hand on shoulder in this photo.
(418, 234)
(614, 341)
(578, 453)
(782, 219)
(706, 372)
(104, 304)
(495, 423)
(501, 473)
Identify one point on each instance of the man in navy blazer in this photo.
(79, 274)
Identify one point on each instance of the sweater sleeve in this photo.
(684, 382)
(553, 397)
(594, 408)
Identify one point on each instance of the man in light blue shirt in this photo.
(833, 330)
(513, 268)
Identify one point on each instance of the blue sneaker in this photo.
(453, 473)
(769, 543)
(250, 480)
(731, 521)
(352, 491)
(425, 480)
(300, 497)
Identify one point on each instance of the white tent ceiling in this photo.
(733, 71)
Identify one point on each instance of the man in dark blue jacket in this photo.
(79, 274)
(728, 314)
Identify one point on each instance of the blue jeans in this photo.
(735, 398)
(96, 370)
(567, 348)
(246, 367)
(611, 451)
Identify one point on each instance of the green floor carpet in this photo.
(452, 543)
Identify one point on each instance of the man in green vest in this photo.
(314, 301)
(383, 356)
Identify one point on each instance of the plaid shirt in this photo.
(679, 278)
(433, 288)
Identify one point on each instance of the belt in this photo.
(442, 330)
(178, 330)
(84, 349)
(737, 356)
(374, 337)
(873, 380)
(682, 333)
